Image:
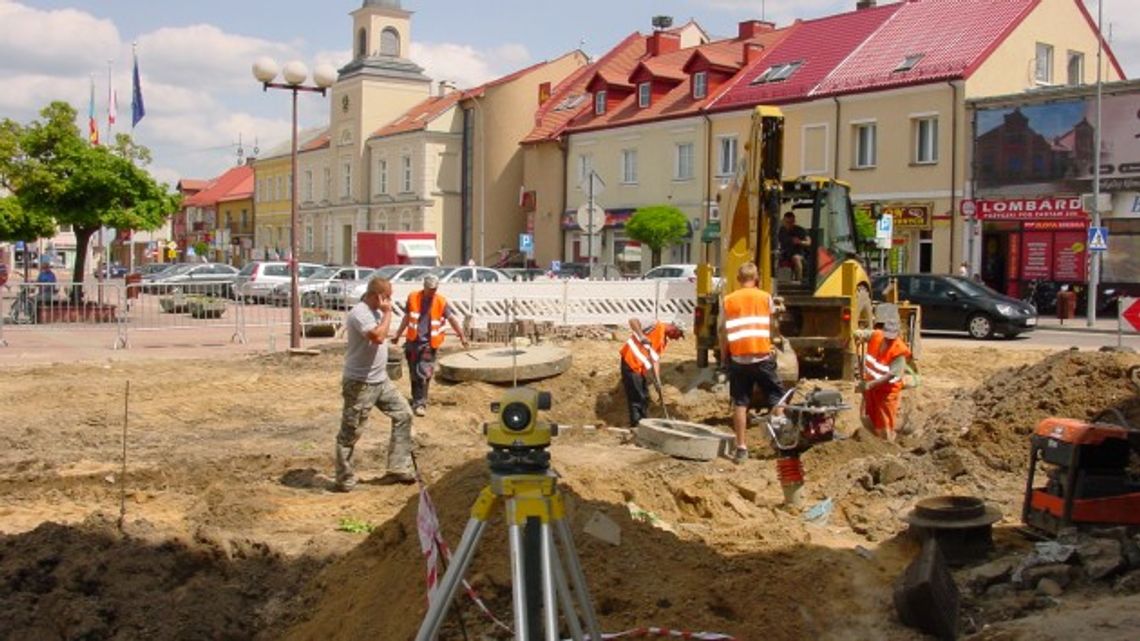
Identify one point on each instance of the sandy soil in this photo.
(229, 531)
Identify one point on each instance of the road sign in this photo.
(884, 231)
(1130, 314)
(591, 218)
(1098, 239)
(526, 243)
(968, 208)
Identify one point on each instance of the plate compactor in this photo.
(1088, 476)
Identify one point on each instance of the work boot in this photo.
(419, 410)
(397, 478)
(740, 456)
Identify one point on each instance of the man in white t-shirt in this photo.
(366, 384)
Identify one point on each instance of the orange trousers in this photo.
(882, 407)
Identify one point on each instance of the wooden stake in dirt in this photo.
(123, 473)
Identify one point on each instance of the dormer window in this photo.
(778, 73)
(909, 62)
(700, 84)
(643, 94)
(600, 103)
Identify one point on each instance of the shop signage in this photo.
(1047, 255)
(1069, 257)
(910, 216)
(1037, 255)
(1030, 209)
(1055, 225)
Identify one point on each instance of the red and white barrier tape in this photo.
(434, 547)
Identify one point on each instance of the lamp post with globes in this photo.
(294, 74)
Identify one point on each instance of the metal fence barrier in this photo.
(204, 309)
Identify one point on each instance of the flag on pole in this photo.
(112, 101)
(138, 109)
(92, 125)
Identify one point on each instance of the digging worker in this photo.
(884, 364)
(640, 359)
(746, 349)
(366, 384)
(423, 322)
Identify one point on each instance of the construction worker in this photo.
(423, 324)
(746, 349)
(640, 359)
(884, 364)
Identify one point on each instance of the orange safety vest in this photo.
(641, 357)
(877, 360)
(438, 306)
(748, 322)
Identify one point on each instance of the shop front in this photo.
(1027, 240)
(912, 247)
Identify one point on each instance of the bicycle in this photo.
(23, 310)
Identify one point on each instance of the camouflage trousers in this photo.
(359, 399)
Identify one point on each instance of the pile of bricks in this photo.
(502, 332)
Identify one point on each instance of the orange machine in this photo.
(1089, 481)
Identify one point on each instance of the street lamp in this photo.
(295, 74)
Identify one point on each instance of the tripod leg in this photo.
(550, 610)
(440, 599)
(578, 579)
(566, 600)
(518, 574)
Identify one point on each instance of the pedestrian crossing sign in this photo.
(1098, 239)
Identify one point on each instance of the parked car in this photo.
(150, 269)
(343, 295)
(468, 274)
(672, 272)
(525, 273)
(955, 303)
(314, 288)
(214, 279)
(256, 280)
(115, 270)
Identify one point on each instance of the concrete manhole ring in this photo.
(498, 364)
(683, 439)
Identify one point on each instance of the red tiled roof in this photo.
(678, 101)
(820, 44)
(192, 184)
(953, 36)
(221, 187)
(418, 117)
(477, 92)
(240, 191)
(320, 142)
(570, 98)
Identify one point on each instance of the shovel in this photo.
(660, 394)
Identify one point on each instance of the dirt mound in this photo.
(1073, 384)
(92, 582)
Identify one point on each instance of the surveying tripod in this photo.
(533, 500)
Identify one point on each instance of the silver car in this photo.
(344, 295)
(256, 280)
(315, 289)
(213, 279)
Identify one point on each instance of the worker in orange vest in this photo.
(423, 319)
(746, 349)
(641, 358)
(883, 367)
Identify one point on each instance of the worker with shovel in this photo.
(884, 364)
(641, 362)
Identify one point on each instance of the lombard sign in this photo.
(1030, 208)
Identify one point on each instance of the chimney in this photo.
(752, 28)
(543, 93)
(663, 42)
(752, 52)
(444, 87)
(865, 4)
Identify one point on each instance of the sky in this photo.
(195, 56)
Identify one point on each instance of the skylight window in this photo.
(909, 62)
(570, 102)
(778, 73)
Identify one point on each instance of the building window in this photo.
(683, 162)
(361, 43)
(864, 135)
(1044, 64)
(726, 156)
(244, 220)
(1076, 70)
(382, 177)
(327, 184)
(643, 94)
(926, 140)
(390, 42)
(778, 73)
(346, 174)
(816, 150)
(308, 185)
(600, 103)
(909, 62)
(308, 238)
(700, 84)
(406, 183)
(629, 166)
(585, 165)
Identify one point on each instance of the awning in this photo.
(416, 248)
(711, 232)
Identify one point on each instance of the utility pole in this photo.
(590, 231)
(1094, 257)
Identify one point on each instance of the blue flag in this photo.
(138, 109)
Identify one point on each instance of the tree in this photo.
(17, 224)
(658, 227)
(55, 174)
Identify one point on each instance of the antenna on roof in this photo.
(662, 22)
(240, 151)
